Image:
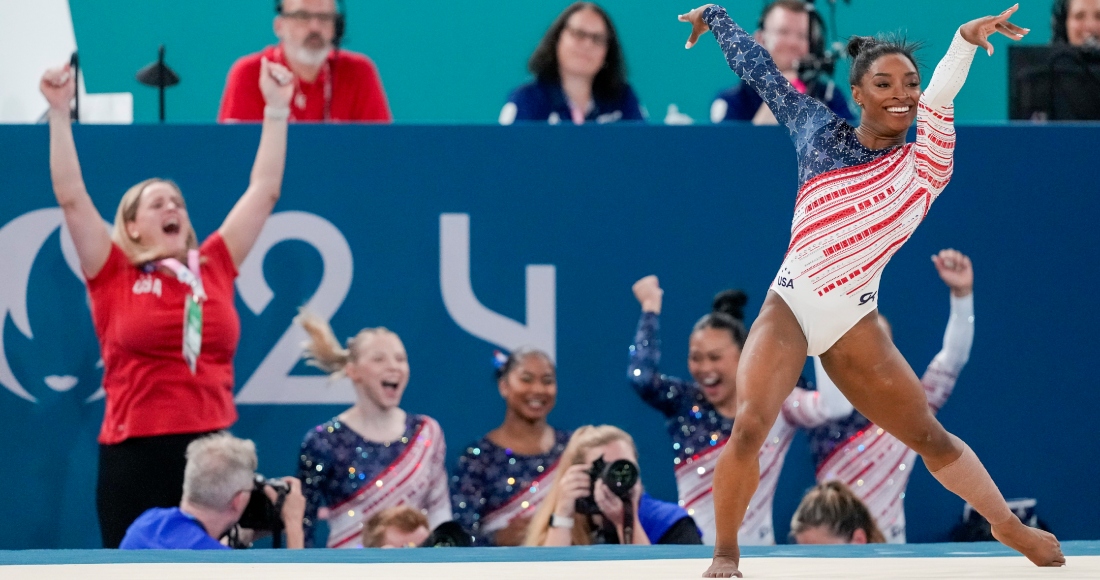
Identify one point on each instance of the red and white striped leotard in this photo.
(849, 222)
(856, 206)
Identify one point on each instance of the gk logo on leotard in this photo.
(785, 282)
(868, 297)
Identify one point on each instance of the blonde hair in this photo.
(135, 251)
(835, 507)
(323, 350)
(583, 439)
(403, 517)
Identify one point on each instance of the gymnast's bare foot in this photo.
(1040, 547)
(723, 567)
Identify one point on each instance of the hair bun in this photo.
(858, 44)
(731, 302)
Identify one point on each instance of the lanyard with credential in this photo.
(192, 306)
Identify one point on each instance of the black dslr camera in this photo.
(261, 513)
(619, 476)
(449, 535)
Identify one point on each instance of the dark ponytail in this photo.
(727, 313)
(865, 50)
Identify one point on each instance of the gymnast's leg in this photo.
(878, 381)
(770, 365)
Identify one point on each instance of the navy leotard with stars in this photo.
(824, 141)
(694, 425)
(328, 451)
(489, 476)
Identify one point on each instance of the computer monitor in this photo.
(1053, 83)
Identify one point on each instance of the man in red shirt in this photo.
(332, 84)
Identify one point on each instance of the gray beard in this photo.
(307, 56)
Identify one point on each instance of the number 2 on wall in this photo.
(272, 382)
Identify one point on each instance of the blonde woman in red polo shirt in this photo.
(162, 306)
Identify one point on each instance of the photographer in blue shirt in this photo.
(218, 484)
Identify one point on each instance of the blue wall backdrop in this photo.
(705, 208)
(446, 61)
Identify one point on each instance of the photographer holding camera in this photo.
(794, 34)
(598, 498)
(220, 489)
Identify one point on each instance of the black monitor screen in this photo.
(1056, 83)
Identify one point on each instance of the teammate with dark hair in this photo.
(862, 193)
(501, 479)
(701, 413)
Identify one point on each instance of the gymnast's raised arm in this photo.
(755, 66)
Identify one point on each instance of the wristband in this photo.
(277, 113)
(557, 521)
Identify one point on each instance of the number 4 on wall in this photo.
(470, 314)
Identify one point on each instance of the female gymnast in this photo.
(700, 413)
(374, 455)
(862, 193)
(162, 305)
(501, 480)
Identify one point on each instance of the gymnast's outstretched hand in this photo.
(977, 32)
(698, 27)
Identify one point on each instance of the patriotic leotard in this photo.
(856, 206)
(699, 433)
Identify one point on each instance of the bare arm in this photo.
(246, 220)
(93, 243)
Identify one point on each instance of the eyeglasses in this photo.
(305, 16)
(788, 34)
(597, 38)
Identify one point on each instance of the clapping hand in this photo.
(977, 32)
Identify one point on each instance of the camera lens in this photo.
(620, 476)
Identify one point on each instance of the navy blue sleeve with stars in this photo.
(824, 141)
(669, 395)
